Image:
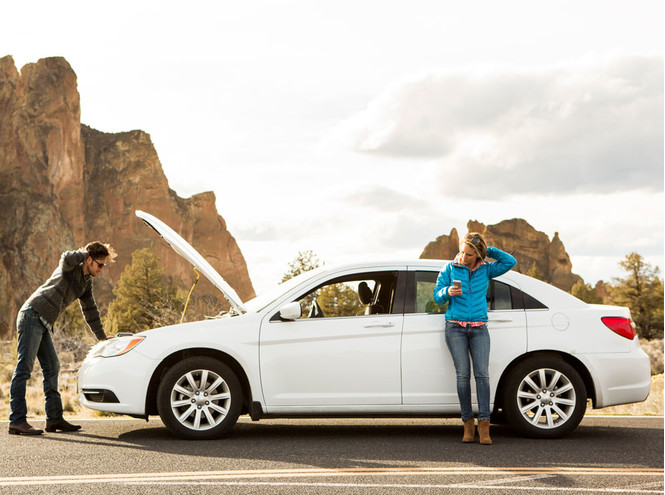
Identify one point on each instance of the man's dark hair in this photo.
(98, 250)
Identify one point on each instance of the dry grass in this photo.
(653, 406)
(70, 357)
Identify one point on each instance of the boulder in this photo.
(531, 248)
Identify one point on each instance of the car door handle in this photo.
(501, 320)
(378, 323)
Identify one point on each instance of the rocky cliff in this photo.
(63, 184)
(529, 246)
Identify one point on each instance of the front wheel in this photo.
(199, 398)
(544, 398)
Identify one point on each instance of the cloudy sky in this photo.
(365, 129)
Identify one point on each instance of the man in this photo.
(72, 279)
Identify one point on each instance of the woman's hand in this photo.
(454, 291)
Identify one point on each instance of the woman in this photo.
(463, 285)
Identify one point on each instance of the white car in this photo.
(366, 340)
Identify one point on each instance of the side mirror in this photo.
(291, 311)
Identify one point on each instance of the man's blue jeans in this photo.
(474, 340)
(34, 341)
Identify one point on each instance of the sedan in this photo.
(366, 340)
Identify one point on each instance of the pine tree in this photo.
(142, 298)
(339, 300)
(586, 293)
(303, 262)
(535, 272)
(642, 291)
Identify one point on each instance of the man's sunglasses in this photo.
(100, 265)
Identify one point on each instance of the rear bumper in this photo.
(620, 378)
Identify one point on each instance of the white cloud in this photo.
(586, 126)
(236, 95)
(382, 198)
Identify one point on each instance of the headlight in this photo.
(116, 346)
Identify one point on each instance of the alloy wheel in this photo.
(546, 398)
(200, 399)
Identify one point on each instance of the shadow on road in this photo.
(361, 444)
(384, 444)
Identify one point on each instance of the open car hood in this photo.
(184, 249)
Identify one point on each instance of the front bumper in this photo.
(115, 384)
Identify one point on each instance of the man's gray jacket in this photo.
(68, 282)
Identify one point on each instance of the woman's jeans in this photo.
(34, 340)
(475, 340)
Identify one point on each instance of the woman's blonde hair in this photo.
(477, 242)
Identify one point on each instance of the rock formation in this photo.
(531, 248)
(63, 184)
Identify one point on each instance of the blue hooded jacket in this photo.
(471, 305)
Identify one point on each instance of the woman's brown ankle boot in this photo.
(469, 431)
(484, 432)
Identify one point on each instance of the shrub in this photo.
(654, 348)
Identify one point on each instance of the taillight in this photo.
(622, 326)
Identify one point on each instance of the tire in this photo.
(199, 398)
(544, 397)
(498, 418)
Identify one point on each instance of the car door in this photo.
(341, 352)
(507, 326)
(427, 367)
(428, 374)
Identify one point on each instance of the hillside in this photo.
(63, 184)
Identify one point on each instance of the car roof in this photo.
(439, 264)
(543, 291)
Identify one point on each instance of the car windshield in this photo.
(265, 298)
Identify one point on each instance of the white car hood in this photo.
(184, 249)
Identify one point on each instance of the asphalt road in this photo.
(382, 456)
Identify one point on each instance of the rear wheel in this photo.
(199, 398)
(545, 397)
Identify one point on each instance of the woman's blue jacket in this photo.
(471, 305)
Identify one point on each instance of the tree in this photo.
(303, 262)
(142, 298)
(642, 291)
(535, 272)
(339, 300)
(586, 293)
(71, 322)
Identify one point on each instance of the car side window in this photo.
(502, 296)
(354, 295)
(420, 288)
(531, 302)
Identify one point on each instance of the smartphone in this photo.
(457, 284)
